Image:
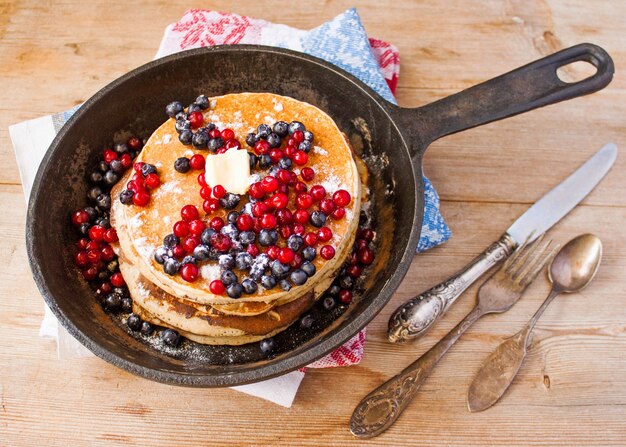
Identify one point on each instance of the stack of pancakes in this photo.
(190, 307)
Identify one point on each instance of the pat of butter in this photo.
(230, 169)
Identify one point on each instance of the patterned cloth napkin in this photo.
(341, 41)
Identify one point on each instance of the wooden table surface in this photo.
(572, 388)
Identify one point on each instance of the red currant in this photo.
(261, 147)
(80, 217)
(327, 252)
(273, 252)
(210, 205)
(117, 280)
(301, 216)
(365, 255)
(307, 174)
(244, 222)
(96, 233)
(283, 176)
(252, 250)
(232, 144)
(214, 133)
(367, 234)
(310, 239)
(220, 242)
(228, 134)
(178, 251)
(268, 221)
(285, 255)
(324, 234)
(327, 206)
(109, 155)
(269, 184)
(297, 261)
(189, 272)
(152, 181)
(190, 243)
(298, 229)
(141, 198)
(137, 167)
(110, 235)
(304, 201)
(298, 136)
(338, 213)
(205, 192)
(345, 296)
(318, 192)
(259, 209)
(256, 190)
(341, 197)
(189, 213)
(354, 270)
(217, 223)
(284, 231)
(219, 191)
(82, 243)
(90, 273)
(134, 143)
(276, 154)
(81, 259)
(217, 287)
(196, 227)
(284, 216)
(107, 254)
(195, 119)
(300, 158)
(301, 187)
(197, 161)
(126, 161)
(201, 179)
(280, 201)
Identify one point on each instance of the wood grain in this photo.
(570, 391)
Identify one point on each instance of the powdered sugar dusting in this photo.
(142, 290)
(269, 119)
(278, 106)
(210, 271)
(145, 250)
(333, 183)
(188, 153)
(136, 221)
(167, 138)
(319, 150)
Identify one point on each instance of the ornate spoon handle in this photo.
(416, 316)
(380, 409)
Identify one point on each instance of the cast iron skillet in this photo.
(135, 103)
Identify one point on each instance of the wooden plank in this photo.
(571, 389)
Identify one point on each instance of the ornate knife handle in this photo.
(412, 319)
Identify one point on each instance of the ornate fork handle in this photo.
(416, 316)
(379, 409)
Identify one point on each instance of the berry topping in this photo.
(341, 197)
(189, 272)
(196, 119)
(217, 287)
(219, 191)
(327, 252)
(197, 162)
(189, 213)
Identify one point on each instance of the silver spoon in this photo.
(571, 270)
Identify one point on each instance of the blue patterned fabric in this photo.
(343, 41)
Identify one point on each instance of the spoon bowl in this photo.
(576, 264)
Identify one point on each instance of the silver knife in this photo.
(416, 316)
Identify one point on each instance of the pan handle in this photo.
(526, 88)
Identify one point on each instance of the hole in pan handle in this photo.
(529, 87)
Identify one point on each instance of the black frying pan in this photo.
(135, 103)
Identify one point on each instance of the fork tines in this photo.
(528, 260)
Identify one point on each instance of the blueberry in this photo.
(263, 261)
(189, 259)
(346, 282)
(305, 146)
(126, 197)
(84, 228)
(298, 277)
(171, 241)
(285, 163)
(256, 272)
(232, 217)
(296, 125)
(170, 337)
(103, 166)
(110, 177)
(230, 201)
(230, 230)
(267, 346)
(202, 101)
(134, 322)
(117, 166)
(173, 108)
(206, 236)
(201, 252)
(148, 169)
(181, 116)
(308, 253)
(268, 281)
(247, 208)
(103, 222)
(182, 165)
(209, 127)
(94, 193)
(214, 254)
(329, 303)
(307, 321)
(243, 261)
(127, 304)
(308, 268)
(273, 171)
(113, 266)
(268, 237)
(247, 237)
(171, 266)
(193, 107)
(160, 255)
(185, 137)
(285, 285)
(334, 290)
(146, 328)
(249, 286)
(91, 211)
(295, 242)
(215, 143)
(251, 139)
(103, 201)
(199, 140)
(273, 140)
(317, 219)
(253, 159)
(182, 125)
(281, 128)
(263, 131)
(228, 277)
(226, 262)
(113, 302)
(235, 290)
(308, 135)
(264, 161)
(95, 177)
(121, 148)
(279, 269)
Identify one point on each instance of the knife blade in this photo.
(413, 318)
(561, 199)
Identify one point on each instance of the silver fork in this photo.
(380, 409)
